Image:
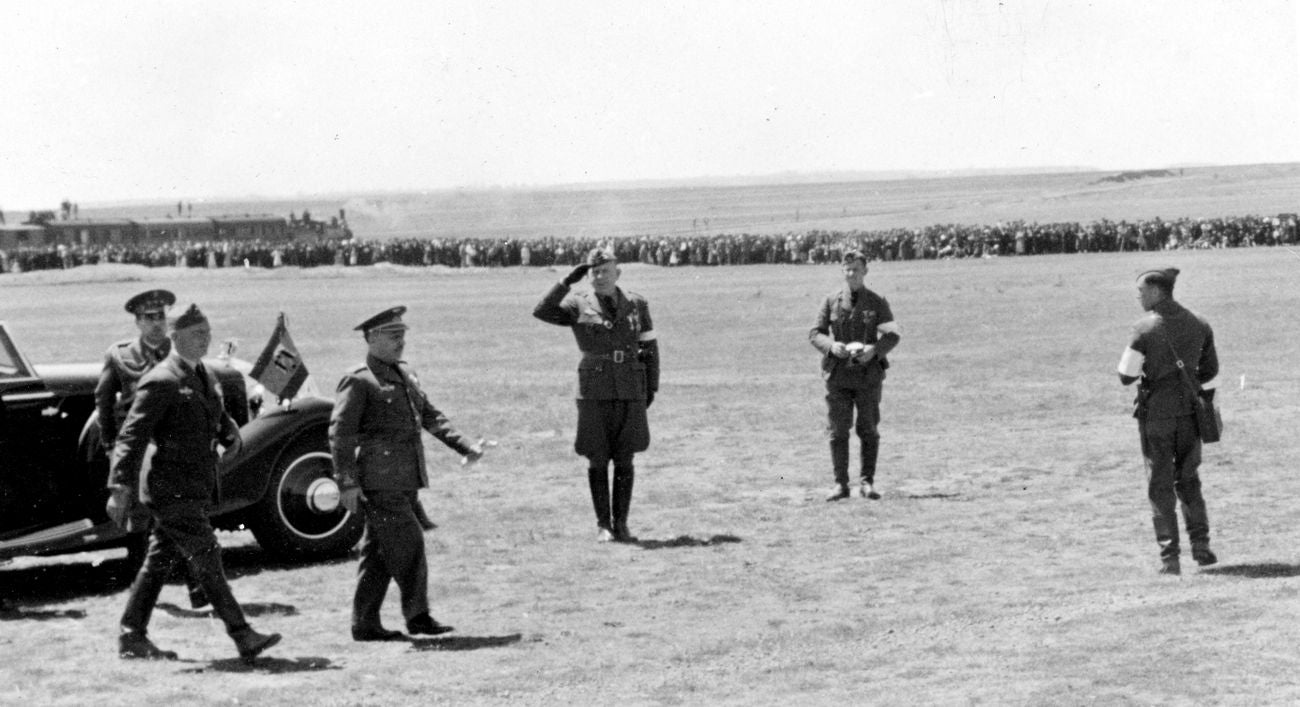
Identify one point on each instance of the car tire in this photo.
(300, 517)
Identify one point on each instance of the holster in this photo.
(1140, 402)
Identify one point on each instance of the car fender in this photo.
(246, 475)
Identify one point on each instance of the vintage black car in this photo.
(278, 483)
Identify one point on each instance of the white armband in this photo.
(1130, 364)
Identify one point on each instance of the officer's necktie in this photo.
(202, 374)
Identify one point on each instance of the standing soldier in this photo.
(617, 380)
(1167, 338)
(125, 363)
(178, 409)
(379, 461)
(855, 330)
(128, 360)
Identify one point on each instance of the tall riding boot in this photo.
(598, 480)
(208, 573)
(870, 447)
(143, 596)
(207, 570)
(623, 477)
(1166, 528)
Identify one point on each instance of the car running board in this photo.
(49, 535)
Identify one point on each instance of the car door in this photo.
(28, 492)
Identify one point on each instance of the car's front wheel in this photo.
(300, 516)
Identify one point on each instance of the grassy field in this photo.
(1011, 560)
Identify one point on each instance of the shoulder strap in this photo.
(1182, 369)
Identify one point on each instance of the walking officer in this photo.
(178, 409)
(1167, 338)
(855, 330)
(379, 461)
(617, 379)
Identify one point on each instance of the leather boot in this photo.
(598, 480)
(136, 645)
(623, 478)
(840, 461)
(207, 571)
(251, 643)
(870, 448)
(143, 596)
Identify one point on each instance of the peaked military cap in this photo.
(191, 317)
(389, 319)
(151, 300)
(599, 256)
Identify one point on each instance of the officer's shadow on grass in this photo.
(463, 643)
(1262, 570)
(269, 665)
(251, 560)
(686, 541)
(253, 609)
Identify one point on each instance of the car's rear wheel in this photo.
(300, 516)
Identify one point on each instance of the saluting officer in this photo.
(178, 408)
(1167, 338)
(379, 461)
(855, 330)
(618, 376)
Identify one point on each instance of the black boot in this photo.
(598, 480)
(623, 477)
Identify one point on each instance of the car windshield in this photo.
(11, 364)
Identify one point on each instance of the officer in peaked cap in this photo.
(379, 461)
(388, 320)
(127, 360)
(618, 376)
(150, 301)
(855, 331)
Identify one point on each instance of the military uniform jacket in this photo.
(125, 363)
(1162, 392)
(869, 321)
(375, 429)
(184, 418)
(620, 355)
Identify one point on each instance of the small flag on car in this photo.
(280, 369)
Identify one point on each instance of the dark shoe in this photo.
(376, 633)
(841, 492)
(1203, 556)
(251, 643)
(138, 646)
(622, 534)
(1170, 567)
(866, 490)
(605, 535)
(424, 624)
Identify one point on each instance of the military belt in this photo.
(618, 356)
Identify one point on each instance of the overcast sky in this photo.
(191, 100)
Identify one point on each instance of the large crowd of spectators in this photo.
(815, 246)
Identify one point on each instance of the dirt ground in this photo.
(1011, 560)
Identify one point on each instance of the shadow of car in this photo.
(53, 471)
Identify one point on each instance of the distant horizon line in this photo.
(771, 178)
